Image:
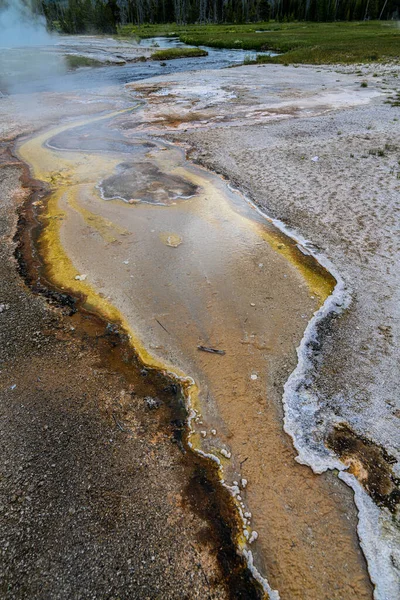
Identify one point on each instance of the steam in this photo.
(21, 26)
(22, 68)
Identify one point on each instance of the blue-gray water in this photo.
(43, 69)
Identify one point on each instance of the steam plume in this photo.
(21, 25)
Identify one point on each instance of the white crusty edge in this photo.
(376, 530)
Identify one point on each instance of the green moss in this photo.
(74, 61)
(169, 53)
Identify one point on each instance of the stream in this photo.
(43, 69)
(209, 290)
(190, 267)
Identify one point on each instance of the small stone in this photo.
(244, 483)
(253, 376)
(152, 403)
(174, 240)
(303, 250)
(225, 453)
(80, 277)
(253, 537)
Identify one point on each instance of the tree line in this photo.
(80, 16)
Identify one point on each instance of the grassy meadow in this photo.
(75, 61)
(300, 42)
(169, 53)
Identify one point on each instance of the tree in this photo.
(78, 16)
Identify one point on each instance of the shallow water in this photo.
(23, 70)
(185, 262)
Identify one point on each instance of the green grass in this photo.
(74, 62)
(169, 53)
(311, 43)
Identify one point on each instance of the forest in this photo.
(80, 16)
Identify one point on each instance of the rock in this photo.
(303, 250)
(173, 241)
(152, 403)
(253, 537)
(225, 453)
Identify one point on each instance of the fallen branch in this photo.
(161, 325)
(119, 424)
(211, 350)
